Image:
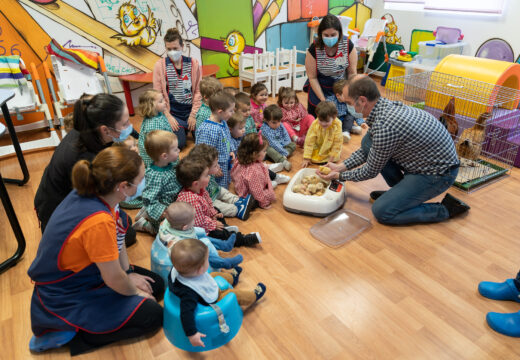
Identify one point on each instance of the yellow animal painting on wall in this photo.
(135, 27)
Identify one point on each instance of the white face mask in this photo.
(175, 55)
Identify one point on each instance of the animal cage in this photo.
(483, 120)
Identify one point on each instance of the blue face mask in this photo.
(330, 41)
(352, 111)
(123, 134)
(139, 191)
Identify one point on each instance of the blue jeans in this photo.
(405, 203)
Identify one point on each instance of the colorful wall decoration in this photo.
(128, 33)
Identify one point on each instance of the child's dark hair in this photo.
(209, 86)
(173, 34)
(256, 89)
(188, 255)
(273, 112)
(326, 110)
(236, 119)
(249, 148)
(242, 98)
(190, 170)
(286, 93)
(220, 101)
(205, 152)
(338, 86)
(146, 103)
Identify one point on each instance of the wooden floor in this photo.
(407, 292)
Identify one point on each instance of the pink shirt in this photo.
(257, 112)
(294, 115)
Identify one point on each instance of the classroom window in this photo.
(493, 7)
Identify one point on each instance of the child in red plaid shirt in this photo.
(194, 177)
(251, 175)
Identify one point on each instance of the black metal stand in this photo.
(6, 201)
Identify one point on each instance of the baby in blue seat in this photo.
(178, 225)
(191, 282)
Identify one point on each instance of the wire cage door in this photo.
(483, 120)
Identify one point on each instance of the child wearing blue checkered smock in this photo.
(215, 132)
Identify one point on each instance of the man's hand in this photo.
(364, 126)
(333, 175)
(195, 340)
(336, 167)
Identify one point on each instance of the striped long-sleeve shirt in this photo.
(412, 138)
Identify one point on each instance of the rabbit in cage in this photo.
(448, 118)
(470, 142)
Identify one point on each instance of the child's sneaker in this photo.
(274, 184)
(346, 137)
(142, 213)
(235, 273)
(282, 179)
(276, 167)
(287, 165)
(356, 129)
(260, 291)
(244, 206)
(231, 228)
(144, 225)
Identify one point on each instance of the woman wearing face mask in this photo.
(86, 293)
(330, 58)
(98, 122)
(178, 78)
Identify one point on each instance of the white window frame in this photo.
(459, 7)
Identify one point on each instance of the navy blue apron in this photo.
(179, 90)
(64, 300)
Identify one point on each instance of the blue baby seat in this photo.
(160, 259)
(207, 321)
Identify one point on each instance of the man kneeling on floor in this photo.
(411, 149)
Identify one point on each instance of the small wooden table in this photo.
(147, 78)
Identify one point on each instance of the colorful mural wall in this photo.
(129, 33)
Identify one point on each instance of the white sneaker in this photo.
(231, 228)
(282, 179)
(276, 167)
(274, 183)
(356, 129)
(346, 137)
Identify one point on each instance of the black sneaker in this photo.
(455, 206)
(374, 195)
(248, 240)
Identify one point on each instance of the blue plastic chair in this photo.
(206, 319)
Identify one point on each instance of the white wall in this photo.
(476, 28)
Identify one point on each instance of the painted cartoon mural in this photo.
(128, 33)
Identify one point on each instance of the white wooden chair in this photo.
(75, 80)
(255, 68)
(281, 72)
(299, 74)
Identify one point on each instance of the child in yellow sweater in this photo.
(324, 139)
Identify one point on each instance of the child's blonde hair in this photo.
(179, 214)
(338, 86)
(158, 142)
(209, 86)
(146, 103)
(286, 93)
(236, 119)
(188, 255)
(325, 110)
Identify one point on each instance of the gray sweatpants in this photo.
(225, 202)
